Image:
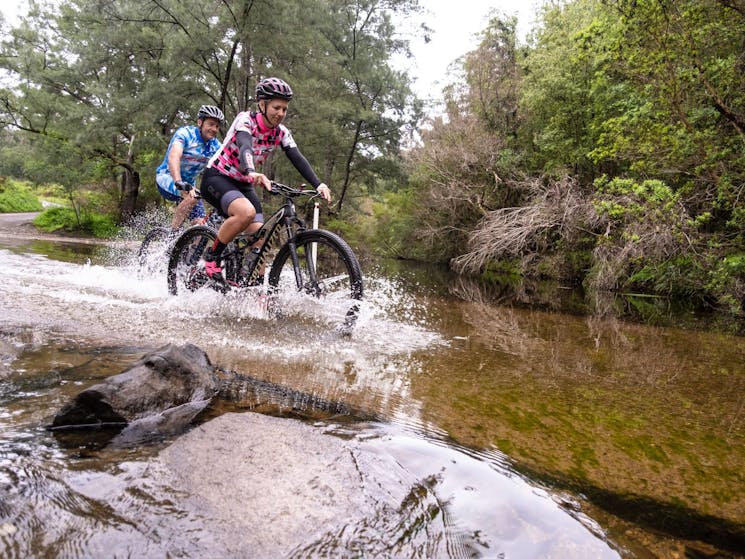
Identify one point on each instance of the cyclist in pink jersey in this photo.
(230, 178)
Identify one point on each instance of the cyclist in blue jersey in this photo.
(189, 150)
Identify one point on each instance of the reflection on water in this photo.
(623, 411)
(71, 251)
(641, 427)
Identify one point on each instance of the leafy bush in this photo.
(100, 225)
(621, 198)
(64, 220)
(394, 234)
(727, 283)
(16, 196)
(54, 219)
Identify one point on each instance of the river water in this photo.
(596, 435)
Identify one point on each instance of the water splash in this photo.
(117, 300)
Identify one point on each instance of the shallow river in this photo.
(560, 434)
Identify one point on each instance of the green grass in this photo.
(64, 219)
(17, 196)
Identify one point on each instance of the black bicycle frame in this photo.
(286, 217)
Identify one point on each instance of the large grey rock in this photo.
(163, 391)
(250, 485)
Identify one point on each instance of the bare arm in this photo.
(174, 160)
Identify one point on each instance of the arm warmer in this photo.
(302, 165)
(245, 152)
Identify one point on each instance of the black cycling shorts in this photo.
(220, 191)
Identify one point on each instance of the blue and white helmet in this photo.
(210, 111)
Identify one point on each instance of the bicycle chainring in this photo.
(196, 278)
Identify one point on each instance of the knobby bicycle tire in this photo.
(328, 271)
(153, 246)
(186, 260)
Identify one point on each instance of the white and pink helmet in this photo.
(273, 88)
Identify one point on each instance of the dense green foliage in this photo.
(61, 220)
(84, 215)
(607, 150)
(98, 87)
(17, 196)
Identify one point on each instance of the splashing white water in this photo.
(119, 302)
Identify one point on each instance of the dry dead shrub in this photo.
(556, 209)
(457, 170)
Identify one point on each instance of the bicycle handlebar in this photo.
(280, 189)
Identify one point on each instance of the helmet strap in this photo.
(263, 119)
(200, 124)
(262, 109)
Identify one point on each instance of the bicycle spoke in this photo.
(186, 262)
(328, 274)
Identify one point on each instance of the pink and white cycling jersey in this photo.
(226, 161)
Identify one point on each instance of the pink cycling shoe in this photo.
(212, 269)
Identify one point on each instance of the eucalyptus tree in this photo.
(493, 74)
(566, 95)
(362, 105)
(683, 66)
(111, 79)
(83, 87)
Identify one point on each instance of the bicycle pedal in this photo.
(219, 284)
(196, 279)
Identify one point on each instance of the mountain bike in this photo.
(159, 240)
(315, 266)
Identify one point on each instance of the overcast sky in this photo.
(455, 25)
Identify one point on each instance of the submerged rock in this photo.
(251, 485)
(288, 484)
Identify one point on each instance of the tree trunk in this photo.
(348, 165)
(130, 188)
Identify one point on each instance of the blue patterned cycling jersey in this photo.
(195, 155)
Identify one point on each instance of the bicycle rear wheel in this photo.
(327, 273)
(153, 250)
(186, 262)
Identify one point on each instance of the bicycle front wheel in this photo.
(153, 250)
(326, 272)
(186, 262)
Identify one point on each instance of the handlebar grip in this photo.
(279, 188)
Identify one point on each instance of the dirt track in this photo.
(13, 221)
(20, 226)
